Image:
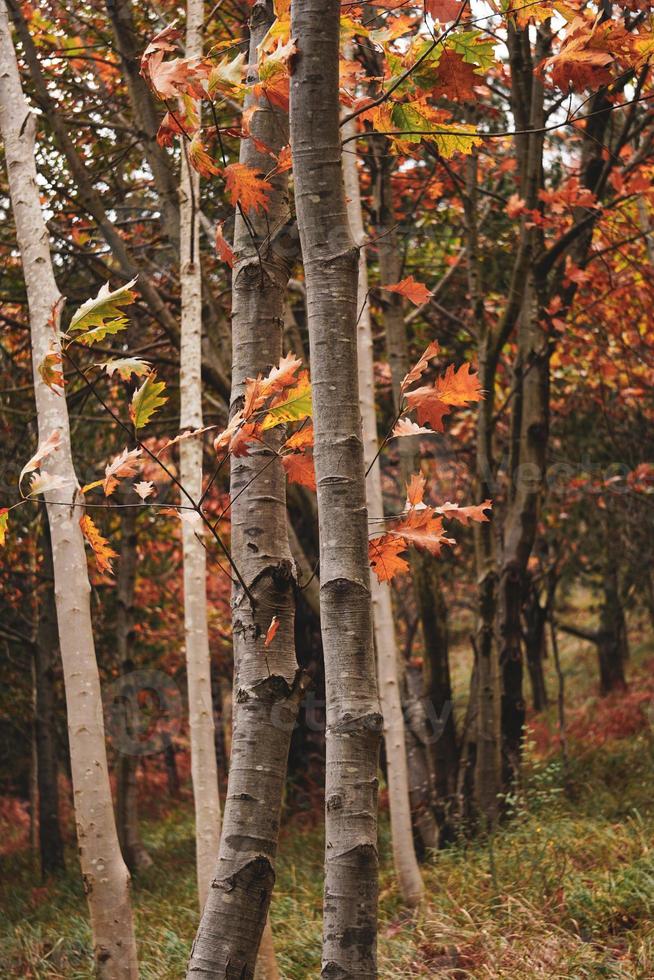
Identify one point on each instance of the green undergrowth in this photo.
(564, 889)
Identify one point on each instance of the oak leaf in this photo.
(405, 427)
(423, 529)
(246, 187)
(146, 400)
(474, 512)
(44, 449)
(420, 367)
(300, 469)
(104, 553)
(384, 557)
(102, 315)
(125, 464)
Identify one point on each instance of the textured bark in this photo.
(204, 769)
(422, 792)
(46, 655)
(267, 684)
(106, 878)
(404, 857)
(353, 712)
(134, 852)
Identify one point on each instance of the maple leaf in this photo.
(405, 427)
(4, 522)
(274, 91)
(246, 187)
(163, 41)
(169, 128)
(474, 512)
(125, 367)
(459, 387)
(282, 376)
(384, 557)
(423, 529)
(45, 482)
(45, 449)
(293, 405)
(174, 78)
(51, 373)
(226, 76)
(144, 489)
(300, 469)
(302, 439)
(200, 159)
(417, 292)
(443, 10)
(223, 247)
(421, 365)
(146, 400)
(104, 553)
(428, 406)
(98, 317)
(415, 490)
(271, 631)
(455, 78)
(125, 464)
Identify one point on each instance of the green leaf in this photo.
(473, 50)
(449, 138)
(295, 407)
(103, 315)
(146, 400)
(126, 367)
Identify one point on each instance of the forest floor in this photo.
(565, 889)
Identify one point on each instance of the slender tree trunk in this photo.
(106, 877)
(612, 637)
(404, 857)
(535, 617)
(353, 711)
(422, 791)
(204, 770)
(267, 688)
(127, 812)
(424, 569)
(46, 650)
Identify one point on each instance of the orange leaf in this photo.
(270, 633)
(443, 10)
(102, 550)
(424, 530)
(475, 512)
(417, 292)
(246, 187)
(459, 387)
(223, 247)
(200, 159)
(300, 469)
(420, 367)
(273, 90)
(282, 376)
(123, 465)
(428, 406)
(384, 557)
(415, 489)
(302, 439)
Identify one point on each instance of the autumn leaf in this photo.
(246, 187)
(102, 550)
(428, 406)
(455, 78)
(102, 315)
(227, 75)
(474, 512)
(417, 292)
(275, 91)
(45, 449)
(44, 482)
(459, 387)
(144, 489)
(4, 522)
(300, 469)
(384, 557)
(293, 406)
(200, 159)
(163, 41)
(51, 373)
(125, 367)
(146, 400)
(415, 490)
(420, 367)
(443, 10)
(281, 376)
(125, 464)
(223, 247)
(183, 436)
(405, 427)
(271, 631)
(302, 439)
(175, 78)
(424, 530)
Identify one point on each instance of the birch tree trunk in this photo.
(268, 685)
(204, 770)
(353, 712)
(404, 856)
(106, 878)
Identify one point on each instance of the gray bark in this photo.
(353, 710)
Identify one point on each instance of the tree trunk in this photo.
(267, 689)
(422, 792)
(443, 756)
(353, 711)
(612, 637)
(127, 813)
(404, 858)
(535, 617)
(46, 650)
(204, 769)
(106, 877)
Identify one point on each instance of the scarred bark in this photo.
(106, 878)
(353, 710)
(267, 684)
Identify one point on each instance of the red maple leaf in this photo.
(417, 292)
(246, 187)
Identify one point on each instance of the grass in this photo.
(563, 891)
